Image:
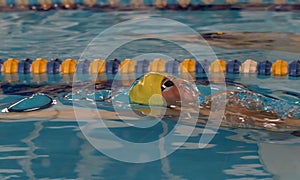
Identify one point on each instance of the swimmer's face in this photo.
(179, 92)
(163, 90)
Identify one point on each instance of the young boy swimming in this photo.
(241, 108)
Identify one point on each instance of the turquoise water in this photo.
(66, 34)
(57, 149)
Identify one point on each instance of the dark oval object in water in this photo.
(296, 133)
(35, 102)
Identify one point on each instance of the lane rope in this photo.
(127, 66)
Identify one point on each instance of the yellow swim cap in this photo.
(147, 90)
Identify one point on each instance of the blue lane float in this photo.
(202, 67)
(233, 67)
(264, 68)
(112, 66)
(142, 66)
(172, 66)
(53, 67)
(294, 69)
(83, 67)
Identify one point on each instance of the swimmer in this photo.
(243, 108)
(279, 41)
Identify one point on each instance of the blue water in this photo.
(56, 149)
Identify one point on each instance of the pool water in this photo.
(57, 149)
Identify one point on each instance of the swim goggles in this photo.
(166, 84)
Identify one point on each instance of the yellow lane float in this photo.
(280, 68)
(68, 66)
(39, 66)
(127, 66)
(98, 66)
(10, 66)
(157, 65)
(218, 66)
(187, 66)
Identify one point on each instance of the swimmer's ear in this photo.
(35, 102)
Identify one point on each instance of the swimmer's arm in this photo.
(239, 116)
(68, 114)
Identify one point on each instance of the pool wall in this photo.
(286, 5)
